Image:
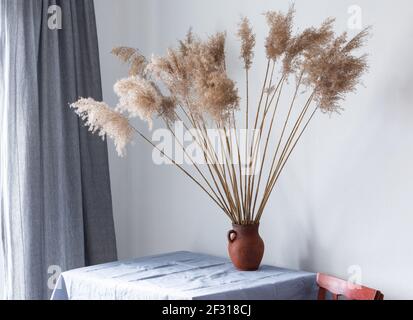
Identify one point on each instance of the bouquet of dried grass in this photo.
(190, 84)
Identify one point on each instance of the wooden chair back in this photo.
(341, 288)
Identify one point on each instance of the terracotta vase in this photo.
(245, 248)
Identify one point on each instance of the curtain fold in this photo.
(55, 199)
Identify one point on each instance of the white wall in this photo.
(346, 196)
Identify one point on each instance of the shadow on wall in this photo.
(313, 254)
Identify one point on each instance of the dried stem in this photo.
(256, 148)
(266, 197)
(248, 185)
(221, 200)
(182, 169)
(266, 149)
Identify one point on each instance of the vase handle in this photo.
(230, 233)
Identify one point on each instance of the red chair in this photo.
(342, 288)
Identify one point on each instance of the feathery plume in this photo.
(307, 44)
(195, 76)
(217, 96)
(214, 93)
(139, 97)
(280, 32)
(107, 122)
(336, 71)
(358, 41)
(133, 57)
(215, 49)
(247, 38)
(124, 53)
(172, 70)
(168, 109)
(184, 44)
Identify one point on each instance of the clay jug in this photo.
(245, 248)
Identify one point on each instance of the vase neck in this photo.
(250, 228)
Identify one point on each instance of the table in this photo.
(183, 276)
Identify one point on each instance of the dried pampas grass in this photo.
(216, 95)
(105, 121)
(336, 71)
(280, 32)
(197, 91)
(247, 42)
(172, 70)
(215, 50)
(139, 98)
(195, 75)
(307, 44)
(133, 57)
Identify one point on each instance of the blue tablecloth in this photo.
(183, 276)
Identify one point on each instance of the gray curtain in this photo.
(55, 199)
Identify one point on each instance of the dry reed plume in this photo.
(197, 91)
(105, 121)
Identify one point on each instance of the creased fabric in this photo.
(183, 276)
(55, 199)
